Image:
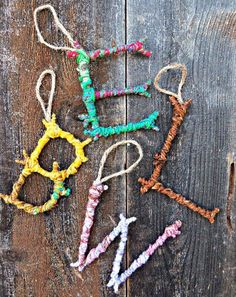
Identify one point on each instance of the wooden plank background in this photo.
(35, 252)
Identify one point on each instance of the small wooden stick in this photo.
(208, 214)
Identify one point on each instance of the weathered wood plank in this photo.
(200, 34)
(36, 251)
(34, 261)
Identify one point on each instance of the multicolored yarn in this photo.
(179, 111)
(31, 163)
(121, 228)
(116, 50)
(95, 192)
(89, 96)
(115, 279)
(138, 90)
(108, 131)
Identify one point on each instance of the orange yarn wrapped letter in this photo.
(179, 111)
(31, 163)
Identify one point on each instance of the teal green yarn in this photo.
(141, 90)
(89, 96)
(148, 123)
(35, 211)
(60, 191)
(67, 192)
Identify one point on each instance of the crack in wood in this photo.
(230, 196)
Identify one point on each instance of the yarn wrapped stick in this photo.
(121, 228)
(138, 90)
(179, 112)
(95, 192)
(135, 47)
(90, 96)
(115, 279)
(208, 214)
(31, 163)
(148, 123)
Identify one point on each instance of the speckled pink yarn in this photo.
(95, 191)
(170, 231)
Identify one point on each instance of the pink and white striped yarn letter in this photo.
(95, 192)
(121, 229)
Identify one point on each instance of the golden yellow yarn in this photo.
(31, 165)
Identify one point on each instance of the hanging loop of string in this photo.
(47, 111)
(58, 24)
(174, 66)
(99, 179)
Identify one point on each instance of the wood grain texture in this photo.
(35, 252)
(200, 34)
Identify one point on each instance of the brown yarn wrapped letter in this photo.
(179, 112)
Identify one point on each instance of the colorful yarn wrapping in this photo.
(31, 163)
(89, 96)
(95, 192)
(179, 111)
(115, 279)
(130, 48)
(138, 90)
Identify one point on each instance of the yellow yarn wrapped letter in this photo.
(31, 165)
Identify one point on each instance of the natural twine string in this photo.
(183, 69)
(58, 24)
(99, 179)
(47, 112)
